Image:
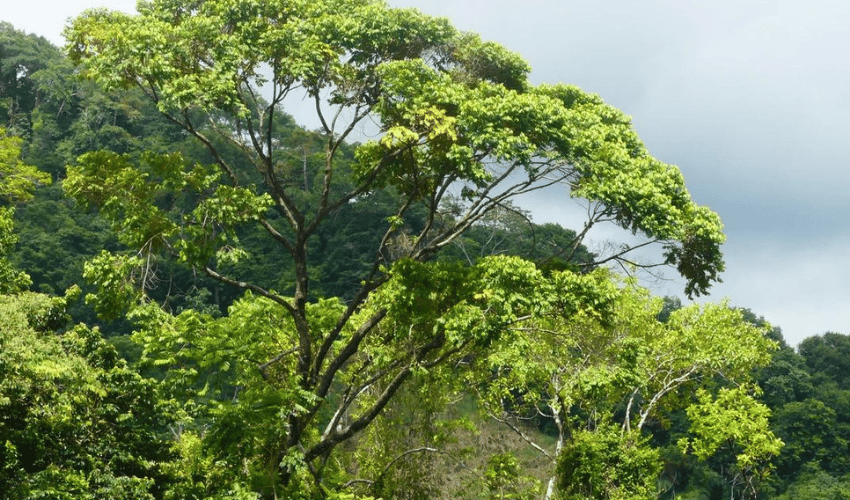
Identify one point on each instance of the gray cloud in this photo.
(750, 99)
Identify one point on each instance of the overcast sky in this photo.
(751, 99)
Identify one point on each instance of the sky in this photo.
(750, 99)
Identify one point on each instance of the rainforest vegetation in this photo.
(201, 299)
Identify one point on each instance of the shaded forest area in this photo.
(414, 342)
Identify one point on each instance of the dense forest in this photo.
(200, 299)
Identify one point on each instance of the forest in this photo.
(201, 299)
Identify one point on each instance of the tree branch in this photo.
(264, 367)
(521, 434)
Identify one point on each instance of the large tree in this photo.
(441, 113)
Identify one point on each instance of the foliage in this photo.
(455, 114)
(54, 239)
(737, 420)
(812, 435)
(430, 110)
(57, 117)
(76, 421)
(827, 357)
(810, 407)
(17, 182)
(17, 179)
(11, 280)
(25, 62)
(509, 230)
(455, 118)
(785, 380)
(606, 463)
(504, 481)
(815, 484)
(597, 353)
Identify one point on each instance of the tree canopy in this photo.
(17, 183)
(76, 421)
(452, 112)
(455, 119)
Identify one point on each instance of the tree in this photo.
(608, 464)
(60, 116)
(816, 484)
(786, 379)
(21, 58)
(17, 182)
(17, 179)
(735, 421)
(811, 435)
(828, 357)
(76, 421)
(454, 115)
(810, 405)
(596, 356)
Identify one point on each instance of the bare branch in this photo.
(626, 250)
(669, 386)
(283, 240)
(347, 351)
(264, 367)
(520, 434)
(250, 286)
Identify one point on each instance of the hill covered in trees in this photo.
(203, 300)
